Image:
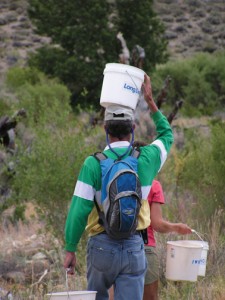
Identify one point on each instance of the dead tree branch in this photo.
(163, 93)
(173, 113)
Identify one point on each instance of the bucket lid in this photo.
(185, 244)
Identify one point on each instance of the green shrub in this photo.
(199, 81)
(179, 73)
(215, 74)
(45, 103)
(45, 100)
(195, 175)
(199, 94)
(16, 77)
(4, 107)
(218, 162)
(48, 173)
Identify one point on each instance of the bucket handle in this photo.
(67, 286)
(194, 231)
(134, 83)
(132, 79)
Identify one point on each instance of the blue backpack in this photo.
(121, 195)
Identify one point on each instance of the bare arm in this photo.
(163, 226)
(147, 91)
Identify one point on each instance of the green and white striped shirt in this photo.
(83, 213)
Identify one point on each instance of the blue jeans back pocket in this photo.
(137, 260)
(101, 257)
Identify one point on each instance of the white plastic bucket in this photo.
(121, 85)
(182, 260)
(203, 260)
(73, 295)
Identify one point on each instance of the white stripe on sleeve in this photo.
(163, 152)
(84, 190)
(145, 191)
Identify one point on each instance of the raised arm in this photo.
(147, 91)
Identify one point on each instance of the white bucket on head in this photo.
(121, 85)
(203, 260)
(73, 295)
(182, 260)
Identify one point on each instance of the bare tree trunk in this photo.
(173, 113)
(163, 93)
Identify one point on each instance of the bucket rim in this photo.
(181, 243)
(109, 67)
(205, 244)
(71, 293)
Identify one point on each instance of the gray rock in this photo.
(39, 256)
(3, 21)
(14, 277)
(170, 35)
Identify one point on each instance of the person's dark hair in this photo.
(119, 128)
(138, 144)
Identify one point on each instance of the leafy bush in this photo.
(45, 100)
(4, 107)
(199, 81)
(48, 173)
(47, 103)
(16, 77)
(203, 171)
(195, 175)
(47, 168)
(218, 161)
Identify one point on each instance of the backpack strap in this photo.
(135, 153)
(100, 213)
(97, 206)
(100, 156)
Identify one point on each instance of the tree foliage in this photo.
(83, 35)
(140, 26)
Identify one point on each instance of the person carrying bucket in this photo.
(155, 200)
(158, 224)
(121, 263)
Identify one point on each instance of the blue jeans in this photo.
(121, 263)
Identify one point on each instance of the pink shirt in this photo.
(155, 195)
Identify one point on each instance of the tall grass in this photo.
(194, 191)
